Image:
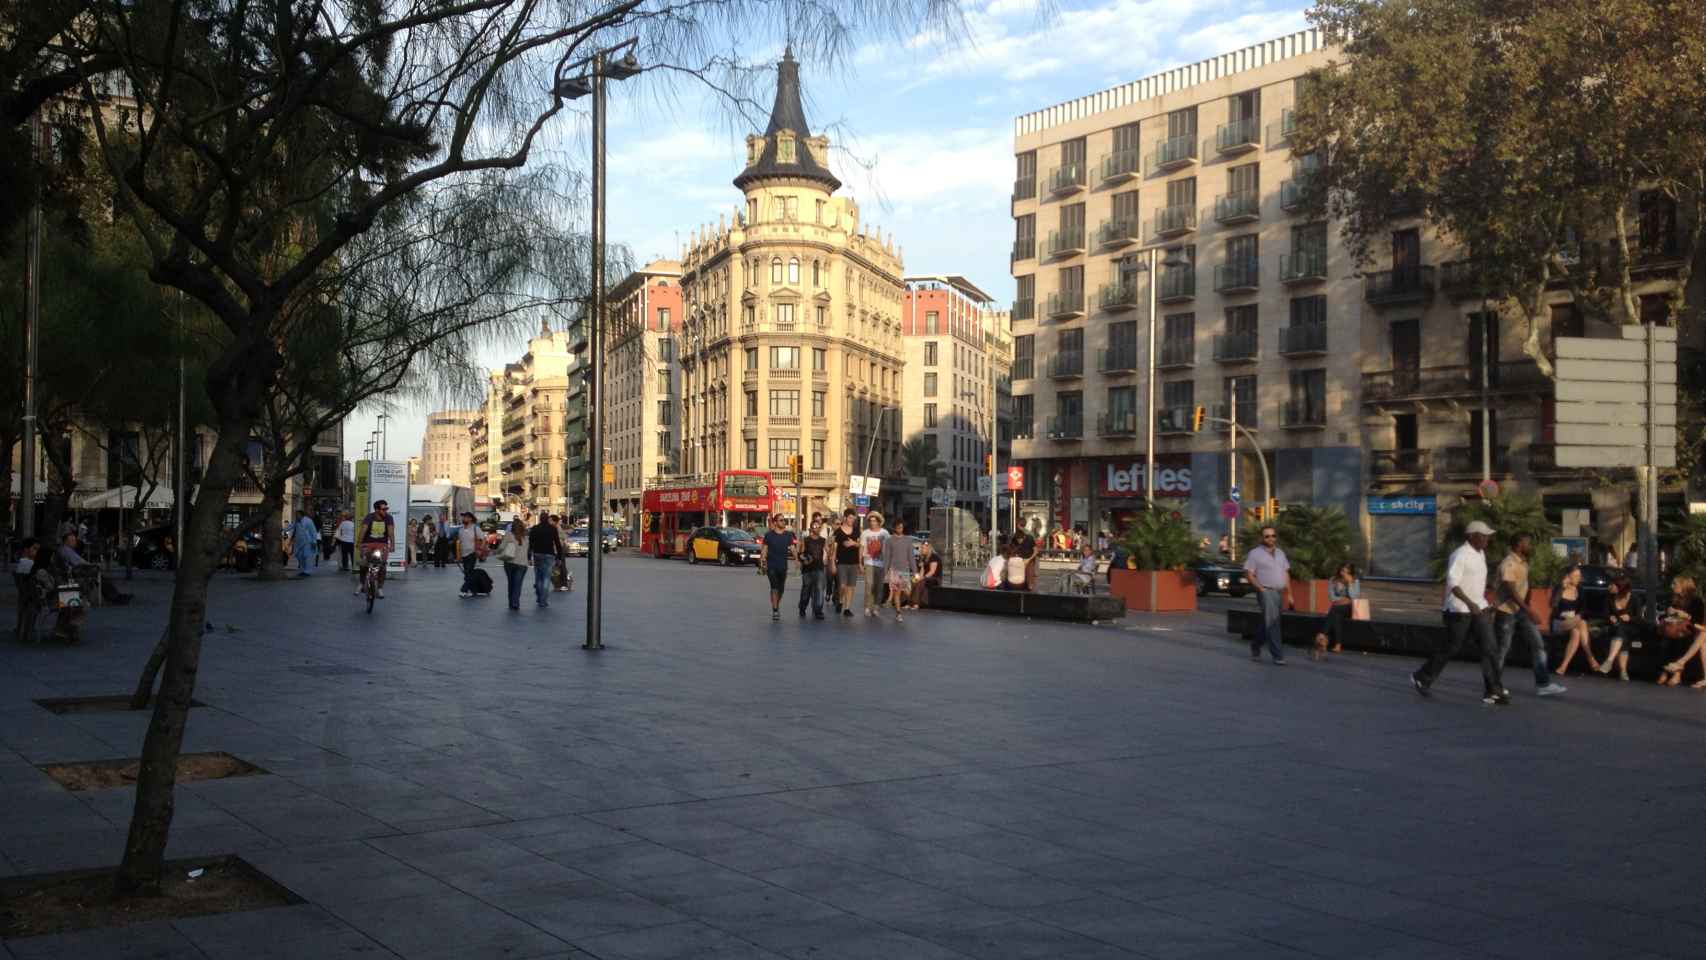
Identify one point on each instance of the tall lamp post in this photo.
(1148, 265)
(589, 76)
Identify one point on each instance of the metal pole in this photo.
(1267, 482)
(1232, 477)
(1486, 405)
(180, 472)
(595, 386)
(32, 323)
(1650, 521)
(1149, 403)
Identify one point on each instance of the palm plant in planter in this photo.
(1160, 550)
(1317, 541)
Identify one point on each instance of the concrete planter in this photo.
(1309, 596)
(1155, 591)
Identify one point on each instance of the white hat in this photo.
(1476, 526)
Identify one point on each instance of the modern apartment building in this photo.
(523, 418)
(957, 358)
(1358, 380)
(791, 342)
(446, 455)
(485, 443)
(643, 384)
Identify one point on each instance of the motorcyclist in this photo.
(378, 531)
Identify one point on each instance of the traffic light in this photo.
(1258, 513)
(989, 463)
(1273, 508)
(795, 471)
(1196, 419)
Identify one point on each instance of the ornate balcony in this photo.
(1455, 381)
(1463, 463)
(1391, 466)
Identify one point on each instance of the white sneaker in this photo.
(381, 594)
(1552, 689)
(359, 591)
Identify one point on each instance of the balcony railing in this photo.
(1066, 426)
(1464, 462)
(1453, 381)
(1024, 429)
(1025, 188)
(1024, 308)
(1238, 275)
(1303, 414)
(1066, 303)
(1174, 420)
(1120, 423)
(1240, 207)
(1025, 248)
(1118, 359)
(1066, 366)
(1307, 266)
(1121, 165)
(1246, 415)
(1064, 243)
(1177, 284)
(1460, 280)
(1117, 296)
(1238, 136)
(1173, 152)
(1235, 347)
(1394, 465)
(1118, 232)
(1283, 130)
(1303, 339)
(1066, 178)
(1178, 353)
(1177, 219)
(1407, 285)
(1024, 368)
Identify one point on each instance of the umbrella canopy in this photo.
(126, 497)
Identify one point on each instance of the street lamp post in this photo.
(594, 70)
(32, 323)
(1149, 266)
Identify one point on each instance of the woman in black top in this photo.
(1624, 628)
(1567, 619)
(929, 575)
(844, 561)
(1686, 604)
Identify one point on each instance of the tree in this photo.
(284, 159)
(919, 461)
(1525, 132)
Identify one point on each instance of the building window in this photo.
(1071, 343)
(818, 404)
(749, 315)
(932, 322)
(930, 384)
(1178, 393)
(666, 346)
(929, 415)
(1025, 176)
(818, 453)
(820, 211)
(784, 313)
(1023, 348)
(823, 316)
(785, 149)
(930, 354)
(781, 448)
(817, 267)
(663, 413)
(793, 270)
(752, 403)
(752, 358)
(784, 403)
(784, 358)
(1306, 311)
(663, 318)
(1309, 396)
(1024, 416)
(1025, 237)
(752, 454)
(776, 268)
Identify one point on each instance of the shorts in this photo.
(900, 581)
(778, 579)
(847, 575)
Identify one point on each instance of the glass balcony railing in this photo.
(1121, 359)
(1406, 285)
(1118, 423)
(1066, 426)
(1177, 284)
(1173, 152)
(1173, 220)
(1178, 353)
(1024, 308)
(1118, 231)
(1117, 296)
(1121, 165)
(1064, 243)
(1066, 366)
(1238, 275)
(1066, 303)
(1025, 188)
(1235, 347)
(1240, 207)
(1303, 339)
(1303, 266)
(1066, 178)
(1237, 136)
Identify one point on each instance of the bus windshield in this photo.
(745, 486)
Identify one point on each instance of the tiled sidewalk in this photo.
(450, 780)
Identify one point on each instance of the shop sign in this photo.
(1125, 478)
(1403, 506)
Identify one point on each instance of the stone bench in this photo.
(1018, 603)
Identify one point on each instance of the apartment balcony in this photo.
(1452, 382)
(1064, 243)
(1120, 166)
(1464, 463)
(1238, 276)
(1246, 415)
(1178, 284)
(1303, 415)
(1238, 136)
(1065, 366)
(1120, 232)
(1173, 421)
(1025, 430)
(1308, 266)
(1177, 353)
(1120, 423)
(1025, 248)
(1175, 220)
(1066, 426)
(1115, 297)
(1392, 287)
(1303, 340)
(1025, 188)
(1241, 207)
(1282, 131)
(1065, 179)
(1066, 304)
(1118, 359)
(1024, 308)
(1174, 152)
(1392, 466)
(1459, 280)
(1235, 347)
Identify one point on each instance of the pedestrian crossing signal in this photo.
(1196, 419)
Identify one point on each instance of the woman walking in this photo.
(426, 540)
(898, 566)
(844, 561)
(512, 550)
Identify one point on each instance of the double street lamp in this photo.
(589, 74)
(1148, 265)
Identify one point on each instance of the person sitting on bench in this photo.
(1567, 619)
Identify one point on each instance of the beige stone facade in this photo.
(1359, 380)
(643, 384)
(517, 444)
(446, 456)
(792, 341)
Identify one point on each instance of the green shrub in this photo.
(1317, 540)
(1159, 540)
(1509, 514)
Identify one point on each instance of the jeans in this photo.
(1271, 634)
(346, 553)
(873, 586)
(1505, 626)
(516, 573)
(811, 589)
(1458, 626)
(468, 563)
(542, 567)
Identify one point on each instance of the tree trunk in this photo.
(271, 566)
(144, 692)
(145, 848)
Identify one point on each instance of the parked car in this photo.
(155, 548)
(1214, 576)
(725, 545)
(578, 542)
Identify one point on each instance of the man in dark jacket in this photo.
(543, 549)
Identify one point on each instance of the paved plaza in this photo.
(447, 779)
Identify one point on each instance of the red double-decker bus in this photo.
(672, 509)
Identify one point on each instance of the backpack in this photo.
(481, 581)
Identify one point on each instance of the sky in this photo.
(921, 136)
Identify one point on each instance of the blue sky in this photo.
(922, 135)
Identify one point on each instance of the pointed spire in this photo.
(788, 113)
(788, 122)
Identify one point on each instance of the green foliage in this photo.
(1159, 540)
(1317, 540)
(919, 460)
(1688, 551)
(1510, 515)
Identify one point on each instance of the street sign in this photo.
(1488, 488)
(610, 473)
(1631, 415)
(983, 486)
(1229, 510)
(1015, 478)
(1614, 456)
(873, 486)
(856, 485)
(1603, 409)
(861, 502)
(1234, 495)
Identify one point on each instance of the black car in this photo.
(155, 549)
(1214, 576)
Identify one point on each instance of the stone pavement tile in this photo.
(1025, 891)
(929, 925)
(1341, 939)
(890, 899)
(1012, 849)
(708, 881)
(795, 938)
(416, 926)
(516, 899)
(1556, 944)
(694, 836)
(885, 945)
(807, 877)
(344, 944)
(1016, 939)
(71, 850)
(740, 912)
(1131, 926)
(1239, 912)
(1682, 933)
(944, 868)
(1478, 897)
(532, 875)
(676, 941)
(561, 825)
(155, 940)
(769, 853)
(358, 878)
(254, 928)
(577, 918)
(632, 861)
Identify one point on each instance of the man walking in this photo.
(1465, 611)
(871, 546)
(543, 550)
(467, 535)
(1512, 615)
(812, 550)
(441, 543)
(304, 542)
(774, 554)
(1270, 574)
(345, 536)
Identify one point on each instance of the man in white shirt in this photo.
(346, 543)
(871, 549)
(1466, 609)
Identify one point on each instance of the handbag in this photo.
(1359, 609)
(507, 550)
(1676, 628)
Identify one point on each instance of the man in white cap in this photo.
(1465, 610)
